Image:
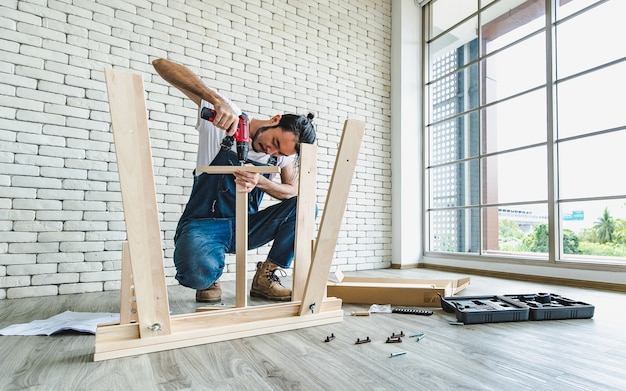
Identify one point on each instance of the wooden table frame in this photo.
(145, 322)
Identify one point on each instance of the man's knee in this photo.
(198, 269)
(199, 253)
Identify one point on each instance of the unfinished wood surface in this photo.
(232, 169)
(572, 355)
(241, 224)
(455, 282)
(207, 327)
(129, 121)
(334, 208)
(386, 285)
(305, 219)
(241, 241)
(128, 304)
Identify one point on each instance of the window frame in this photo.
(555, 254)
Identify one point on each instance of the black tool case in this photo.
(515, 308)
(550, 306)
(485, 309)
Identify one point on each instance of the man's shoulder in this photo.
(284, 161)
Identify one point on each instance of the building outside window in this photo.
(525, 129)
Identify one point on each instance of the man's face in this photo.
(273, 141)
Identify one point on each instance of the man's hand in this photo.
(248, 180)
(225, 117)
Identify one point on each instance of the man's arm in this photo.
(287, 188)
(190, 85)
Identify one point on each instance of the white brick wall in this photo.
(60, 208)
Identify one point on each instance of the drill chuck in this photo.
(242, 150)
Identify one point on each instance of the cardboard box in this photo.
(396, 291)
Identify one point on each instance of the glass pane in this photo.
(454, 185)
(594, 231)
(591, 166)
(516, 69)
(519, 230)
(462, 41)
(592, 102)
(568, 7)
(507, 21)
(516, 176)
(580, 47)
(454, 94)
(447, 13)
(455, 230)
(454, 139)
(515, 122)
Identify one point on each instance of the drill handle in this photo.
(243, 126)
(207, 114)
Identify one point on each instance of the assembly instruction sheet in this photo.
(84, 322)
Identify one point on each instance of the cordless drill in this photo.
(241, 136)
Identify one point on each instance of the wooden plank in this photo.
(219, 334)
(214, 307)
(385, 285)
(334, 209)
(128, 304)
(394, 281)
(305, 219)
(241, 241)
(129, 121)
(207, 327)
(232, 169)
(226, 317)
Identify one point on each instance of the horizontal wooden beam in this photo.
(122, 340)
(232, 169)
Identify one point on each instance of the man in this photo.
(206, 229)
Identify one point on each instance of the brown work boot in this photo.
(212, 294)
(266, 283)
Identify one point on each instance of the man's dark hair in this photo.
(299, 125)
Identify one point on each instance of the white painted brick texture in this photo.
(61, 215)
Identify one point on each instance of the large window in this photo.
(526, 129)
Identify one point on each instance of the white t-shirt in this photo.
(210, 138)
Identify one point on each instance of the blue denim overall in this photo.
(206, 230)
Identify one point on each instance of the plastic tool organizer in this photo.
(550, 306)
(514, 308)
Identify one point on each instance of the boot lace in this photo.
(271, 275)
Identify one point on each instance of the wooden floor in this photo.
(582, 354)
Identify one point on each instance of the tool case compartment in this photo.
(550, 306)
(485, 309)
(514, 308)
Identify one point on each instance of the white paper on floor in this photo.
(380, 308)
(84, 322)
